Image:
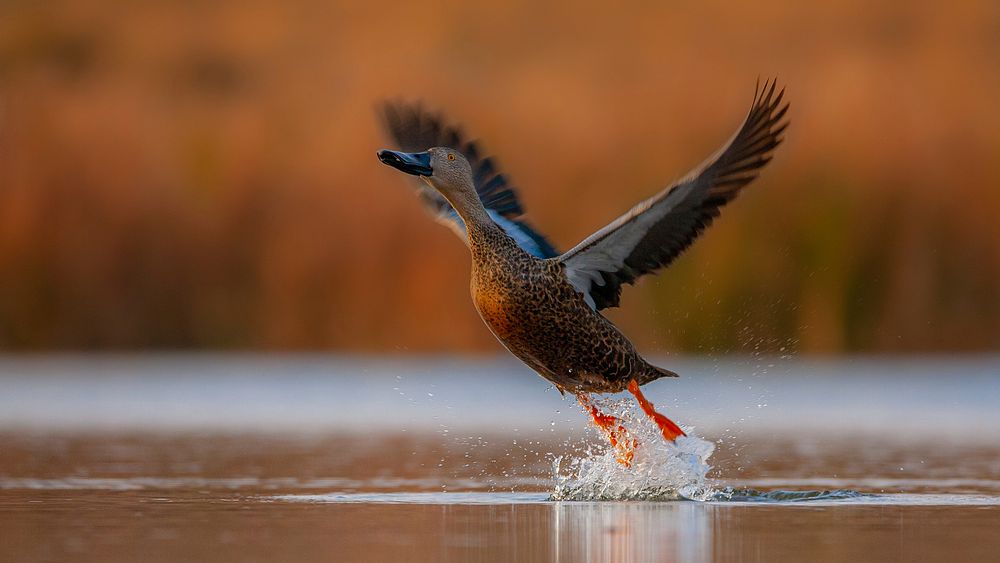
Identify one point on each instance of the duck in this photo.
(545, 306)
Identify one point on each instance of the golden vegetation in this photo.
(177, 174)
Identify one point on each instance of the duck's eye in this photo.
(451, 156)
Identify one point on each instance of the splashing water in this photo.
(661, 470)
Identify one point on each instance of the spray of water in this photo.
(661, 470)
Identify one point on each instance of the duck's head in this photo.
(445, 169)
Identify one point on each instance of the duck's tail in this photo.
(652, 373)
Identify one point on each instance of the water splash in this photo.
(661, 470)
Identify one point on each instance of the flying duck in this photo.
(545, 307)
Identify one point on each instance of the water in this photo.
(313, 458)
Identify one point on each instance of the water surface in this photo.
(313, 458)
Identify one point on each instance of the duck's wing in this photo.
(657, 230)
(414, 129)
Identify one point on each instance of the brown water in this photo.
(298, 459)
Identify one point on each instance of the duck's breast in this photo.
(494, 306)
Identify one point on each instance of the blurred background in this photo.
(189, 176)
(202, 175)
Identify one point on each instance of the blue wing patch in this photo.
(526, 237)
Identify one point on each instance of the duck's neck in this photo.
(478, 222)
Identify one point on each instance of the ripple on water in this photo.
(726, 497)
(752, 495)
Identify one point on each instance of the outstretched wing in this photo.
(657, 230)
(413, 129)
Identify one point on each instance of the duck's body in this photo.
(545, 306)
(533, 310)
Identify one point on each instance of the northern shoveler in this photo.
(545, 306)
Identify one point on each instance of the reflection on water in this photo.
(615, 531)
(186, 471)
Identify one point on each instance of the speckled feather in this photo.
(543, 320)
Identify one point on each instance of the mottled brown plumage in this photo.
(533, 310)
(545, 308)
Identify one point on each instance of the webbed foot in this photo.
(623, 443)
(668, 427)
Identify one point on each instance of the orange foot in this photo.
(621, 441)
(669, 428)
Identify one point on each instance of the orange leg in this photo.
(669, 428)
(619, 437)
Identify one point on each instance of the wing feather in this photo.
(654, 232)
(414, 129)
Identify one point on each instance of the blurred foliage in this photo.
(179, 174)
